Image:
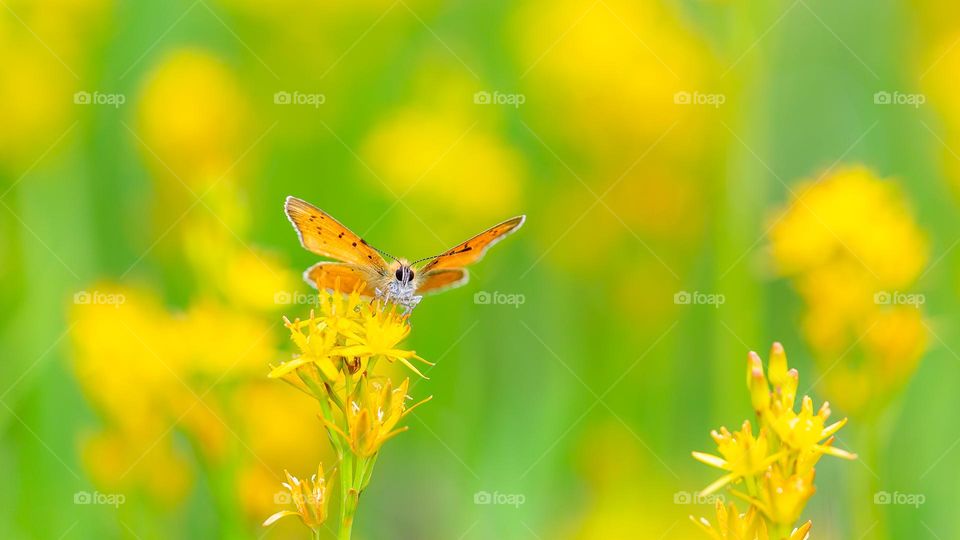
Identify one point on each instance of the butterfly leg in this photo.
(382, 295)
(411, 303)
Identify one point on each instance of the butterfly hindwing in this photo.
(324, 275)
(435, 281)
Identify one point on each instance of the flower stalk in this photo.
(339, 345)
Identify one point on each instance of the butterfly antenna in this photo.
(457, 252)
(384, 253)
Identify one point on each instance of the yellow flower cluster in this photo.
(340, 345)
(853, 251)
(773, 470)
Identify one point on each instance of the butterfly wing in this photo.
(436, 281)
(324, 275)
(473, 249)
(320, 233)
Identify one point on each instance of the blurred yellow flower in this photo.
(850, 215)
(853, 250)
(280, 431)
(448, 162)
(309, 497)
(244, 276)
(43, 49)
(147, 371)
(193, 115)
(619, 105)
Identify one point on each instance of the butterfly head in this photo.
(403, 273)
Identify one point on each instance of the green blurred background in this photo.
(656, 148)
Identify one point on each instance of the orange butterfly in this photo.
(362, 263)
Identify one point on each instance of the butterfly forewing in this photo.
(322, 234)
(473, 249)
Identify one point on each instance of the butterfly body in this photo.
(400, 286)
(360, 265)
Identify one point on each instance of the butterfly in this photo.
(357, 262)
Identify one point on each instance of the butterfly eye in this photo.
(411, 274)
(399, 274)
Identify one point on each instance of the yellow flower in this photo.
(743, 455)
(381, 331)
(372, 415)
(315, 348)
(805, 431)
(732, 525)
(310, 498)
(192, 118)
(782, 498)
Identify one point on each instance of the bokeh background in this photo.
(701, 178)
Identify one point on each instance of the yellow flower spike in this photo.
(778, 365)
(777, 467)
(309, 497)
